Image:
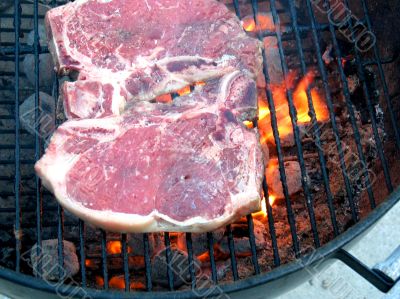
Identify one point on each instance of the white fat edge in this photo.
(225, 59)
(118, 101)
(184, 33)
(169, 7)
(246, 198)
(54, 166)
(252, 179)
(154, 221)
(225, 85)
(147, 4)
(108, 123)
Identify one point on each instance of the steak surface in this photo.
(125, 50)
(186, 166)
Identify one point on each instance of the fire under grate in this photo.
(304, 41)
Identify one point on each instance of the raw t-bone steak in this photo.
(187, 166)
(126, 50)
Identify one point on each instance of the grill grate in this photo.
(294, 31)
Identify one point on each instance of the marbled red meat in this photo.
(187, 166)
(127, 50)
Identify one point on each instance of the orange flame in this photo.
(300, 102)
(263, 213)
(165, 98)
(200, 83)
(265, 22)
(184, 91)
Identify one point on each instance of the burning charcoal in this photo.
(5, 237)
(136, 244)
(353, 83)
(118, 282)
(327, 56)
(293, 178)
(242, 244)
(49, 261)
(46, 66)
(5, 4)
(46, 115)
(273, 60)
(45, 70)
(265, 150)
(287, 140)
(204, 277)
(200, 241)
(179, 266)
(30, 40)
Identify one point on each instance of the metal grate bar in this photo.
(252, 241)
(350, 109)
(231, 244)
(82, 251)
(271, 225)
(170, 276)
(354, 213)
(314, 121)
(60, 236)
(393, 119)
(210, 240)
(23, 49)
(147, 262)
(249, 217)
(385, 60)
(18, 232)
(274, 125)
(21, 162)
(39, 210)
(190, 259)
(296, 131)
(237, 8)
(288, 29)
(104, 258)
(126, 263)
(361, 75)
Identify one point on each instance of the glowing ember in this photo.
(99, 281)
(117, 282)
(300, 101)
(89, 263)
(114, 247)
(205, 257)
(264, 21)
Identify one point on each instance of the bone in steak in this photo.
(187, 166)
(136, 50)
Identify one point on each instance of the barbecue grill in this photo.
(20, 151)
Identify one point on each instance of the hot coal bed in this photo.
(326, 171)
